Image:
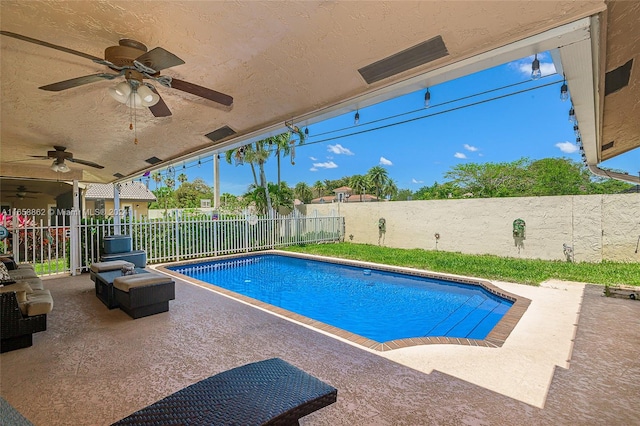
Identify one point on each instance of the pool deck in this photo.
(94, 366)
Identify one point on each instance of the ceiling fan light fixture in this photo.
(60, 167)
(135, 100)
(120, 92)
(147, 96)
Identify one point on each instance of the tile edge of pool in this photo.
(496, 338)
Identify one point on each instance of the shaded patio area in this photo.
(94, 366)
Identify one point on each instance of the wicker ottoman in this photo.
(142, 295)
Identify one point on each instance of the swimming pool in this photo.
(379, 305)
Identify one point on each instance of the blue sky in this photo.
(418, 145)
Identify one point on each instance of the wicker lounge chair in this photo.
(269, 392)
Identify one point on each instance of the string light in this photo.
(564, 91)
(535, 69)
(427, 99)
(356, 118)
(572, 115)
(428, 115)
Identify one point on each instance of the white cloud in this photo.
(313, 158)
(325, 165)
(385, 162)
(459, 155)
(339, 149)
(470, 147)
(414, 180)
(567, 147)
(313, 169)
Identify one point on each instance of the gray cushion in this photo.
(112, 265)
(139, 280)
(39, 302)
(21, 273)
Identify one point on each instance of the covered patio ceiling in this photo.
(285, 61)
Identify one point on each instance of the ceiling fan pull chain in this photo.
(135, 121)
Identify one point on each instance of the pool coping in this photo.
(495, 339)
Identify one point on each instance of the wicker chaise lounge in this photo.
(269, 392)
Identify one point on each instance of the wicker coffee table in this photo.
(269, 392)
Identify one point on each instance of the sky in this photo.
(418, 145)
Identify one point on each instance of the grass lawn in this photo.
(56, 265)
(524, 271)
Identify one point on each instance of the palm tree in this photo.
(157, 178)
(378, 177)
(240, 156)
(254, 154)
(359, 184)
(260, 156)
(286, 145)
(319, 187)
(303, 192)
(390, 189)
(182, 178)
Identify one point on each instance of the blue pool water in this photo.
(379, 305)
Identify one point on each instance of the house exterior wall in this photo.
(596, 227)
(137, 207)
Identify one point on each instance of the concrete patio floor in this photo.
(94, 366)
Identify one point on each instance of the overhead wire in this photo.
(431, 114)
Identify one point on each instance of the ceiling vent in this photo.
(618, 78)
(607, 146)
(412, 57)
(220, 134)
(153, 160)
(118, 175)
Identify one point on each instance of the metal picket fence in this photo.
(177, 236)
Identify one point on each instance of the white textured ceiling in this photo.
(278, 60)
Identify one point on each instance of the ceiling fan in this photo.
(132, 60)
(21, 193)
(60, 155)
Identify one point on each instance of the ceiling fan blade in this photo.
(40, 157)
(160, 109)
(78, 81)
(203, 92)
(50, 45)
(86, 163)
(159, 59)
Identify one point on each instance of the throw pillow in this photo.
(128, 270)
(9, 263)
(5, 278)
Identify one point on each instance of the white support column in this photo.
(216, 182)
(116, 209)
(74, 228)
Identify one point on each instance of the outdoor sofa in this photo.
(24, 305)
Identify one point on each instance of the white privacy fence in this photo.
(175, 237)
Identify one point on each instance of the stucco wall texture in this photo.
(596, 227)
